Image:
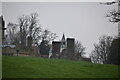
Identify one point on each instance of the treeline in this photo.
(106, 51)
(27, 25)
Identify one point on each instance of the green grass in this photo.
(32, 67)
(0, 66)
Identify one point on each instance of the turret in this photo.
(63, 43)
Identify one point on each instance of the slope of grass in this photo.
(0, 66)
(32, 67)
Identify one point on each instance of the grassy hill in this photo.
(32, 67)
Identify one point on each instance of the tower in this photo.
(70, 45)
(55, 49)
(29, 41)
(63, 43)
(3, 29)
(119, 30)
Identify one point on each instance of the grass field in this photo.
(32, 67)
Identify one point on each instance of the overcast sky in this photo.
(84, 21)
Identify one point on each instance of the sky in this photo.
(84, 21)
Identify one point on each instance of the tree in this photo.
(101, 51)
(79, 48)
(48, 36)
(35, 29)
(11, 33)
(23, 23)
(36, 35)
(44, 48)
(28, 25)
(113, 15)
(33, 22)
(40, 35)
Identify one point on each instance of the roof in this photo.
(63, 37)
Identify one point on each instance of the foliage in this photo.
(32, 67)
(44, 48)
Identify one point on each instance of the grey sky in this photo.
(85, 21)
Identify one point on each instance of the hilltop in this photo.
(32, 67)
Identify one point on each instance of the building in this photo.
(56, 45)
(70, 45)
(3, 28)
(62, 43)
(0, 35)
(65, 49)
(29, 41)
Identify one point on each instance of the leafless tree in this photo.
(36, 34)
(113, 15)
(79, 48)
(48, 36)
(23, 23)
(102, 50)
(28, 25)
(11, 33)
(33, 22)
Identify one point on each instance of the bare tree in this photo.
(113, 15)
(28, 25)
(33, 22)
(11, 33)
(101, 50)
(36, 34)
(23, 23)
(94, 57)
(48, 35)
(79, 48)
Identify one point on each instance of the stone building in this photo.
(62, 43)
(70, 45)
(65, 49)
(3, 29)
(56, 45)
(68, 51)
(29, 41)
(0, 35)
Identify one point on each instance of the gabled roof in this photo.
(63, 37)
